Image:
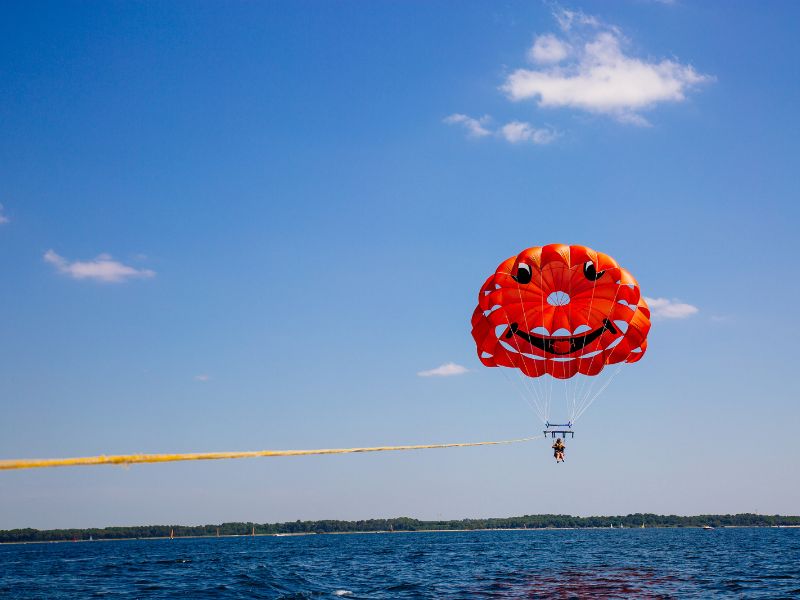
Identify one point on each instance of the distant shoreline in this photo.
(396, 525)
(305, 533)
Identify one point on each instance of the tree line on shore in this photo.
(397, 524)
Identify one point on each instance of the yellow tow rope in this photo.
(131, 459)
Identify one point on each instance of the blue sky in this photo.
(245, 226)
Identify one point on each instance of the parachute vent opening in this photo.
(558, 298)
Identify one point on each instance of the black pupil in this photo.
(591, 271)
(523, 274)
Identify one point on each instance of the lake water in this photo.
(613, 563)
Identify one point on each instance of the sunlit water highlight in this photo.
(618, 563)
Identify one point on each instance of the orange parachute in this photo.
(560, 310)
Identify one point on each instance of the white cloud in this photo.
(475, 127)
(548, 49)
(202, 377)
(445, 370)
(514, 132)
(518, 131)
(102, 268)
(600, 78)
(567, 19)
(663, 308)
(3, 218)
(632, 119)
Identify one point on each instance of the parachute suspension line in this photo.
(585, 394)
(549, 385)
(525, 389)
(529, 391)
(534, 406)
(586, 405)
(532, 391)
(526, 379)
(583, 383)
(131, 459)
(569, 385)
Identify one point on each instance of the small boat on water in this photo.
(707, 527)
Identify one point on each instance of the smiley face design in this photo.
(560, 310)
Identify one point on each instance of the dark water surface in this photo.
(614, 563)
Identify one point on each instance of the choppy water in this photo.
(649, 563)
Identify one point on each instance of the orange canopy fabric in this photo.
(560, 310)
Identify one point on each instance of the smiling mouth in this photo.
(560, 344)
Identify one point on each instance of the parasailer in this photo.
(560, 312)
(558, 450)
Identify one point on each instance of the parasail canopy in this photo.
(562, 311)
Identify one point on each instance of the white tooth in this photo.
(561, 332)
(541, 331)
(581, 329)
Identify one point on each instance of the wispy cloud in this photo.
(514, 132)
(518, 131)
(588, 69)
(445, 370)
(567, 19)
(475, 127)
(663, 308)
(102, 268)
(3, 217)
(202, 377)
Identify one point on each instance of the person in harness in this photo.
(558, 450)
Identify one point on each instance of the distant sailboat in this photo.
(172, 534)
(217, 531)
(253, 532)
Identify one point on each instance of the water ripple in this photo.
(650, 563)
